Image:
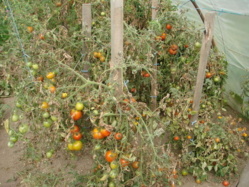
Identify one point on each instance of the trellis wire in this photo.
(15, 28)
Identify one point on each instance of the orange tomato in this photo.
(52, 89)
(76, 114)
(124, 162)
(208, 75)
(118, 136)
(163, 36)
(176, 138)
(135, 165)
(172, 52)
(105, 132)
(189, 137)
(168, 26)
(30, 29)
(96, 134)
(110, 156)
(58, 4)
(146, 75)
(174, 47)
(217, 140)
(41, 79)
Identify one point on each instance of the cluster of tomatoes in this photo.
(100, 56)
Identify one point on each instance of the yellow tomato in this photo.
(50, 75)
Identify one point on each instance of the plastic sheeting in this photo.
(231, 34)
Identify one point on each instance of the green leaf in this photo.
(210, 168)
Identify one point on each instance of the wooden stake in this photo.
(154, 85)
(205, 49)
(116, 76)
(201, 15)
(87, 29)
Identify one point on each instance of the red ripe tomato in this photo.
(75, 129)
(105, 132)
(225, 183)
(118, 136)
(133, 90)
(168, 26)
(146, 75)
(76, 114)
(97, 134)
(176, 138)
(124, 162)
(110, 156)
(77, 136)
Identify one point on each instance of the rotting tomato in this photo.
(77, 136)
(135, 165)
(105, 132)
(76, 114)
(75, 128)
(41, 36)
(118, 136)
(110, 156)
(40, 78)
(124, 162)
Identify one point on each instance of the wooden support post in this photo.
(116, 76)
(154, 85)
(205, 49)
(201, 15)
(87, 29)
